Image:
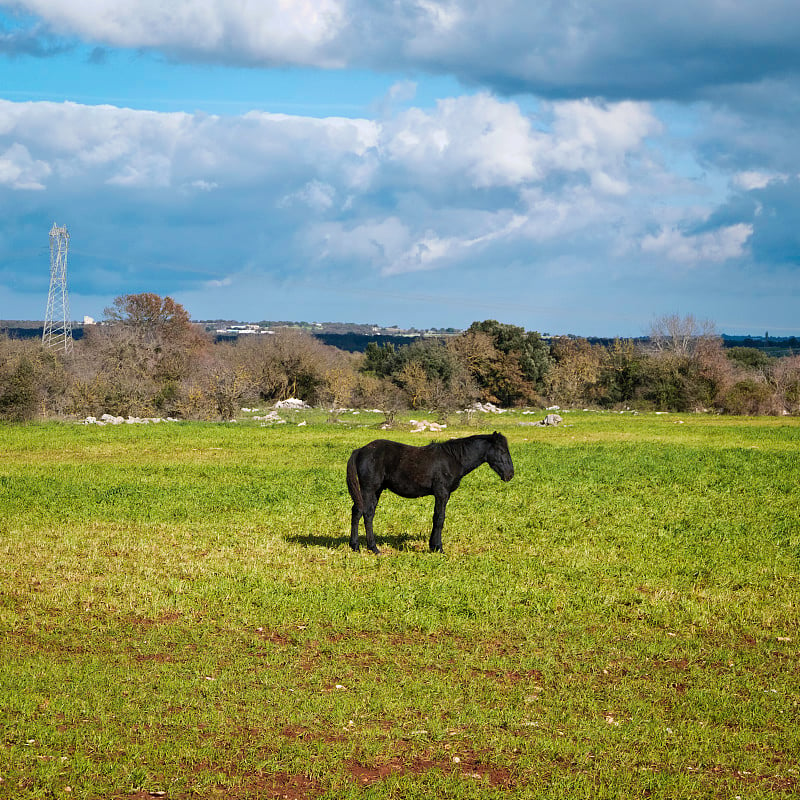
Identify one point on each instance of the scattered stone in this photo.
(110, 419)
(291, 403)
(486, 408)
(272, 417)
(424, 425)
(551, 420)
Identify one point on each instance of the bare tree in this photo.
(672, 333)
(380, 393)
(289, 363)
(338, 390)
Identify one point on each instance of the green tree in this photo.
(379, 359)
(531, 350)
(750, 357)
(518, 373)
(18, 395)
(620, 373)
(33, 380)
(575, 371)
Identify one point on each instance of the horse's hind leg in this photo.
(435, 542)
(355, 517)
(369, 514)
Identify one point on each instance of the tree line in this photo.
(148, 359)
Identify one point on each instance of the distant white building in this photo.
(242, 330)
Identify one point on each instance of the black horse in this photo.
(435, 469)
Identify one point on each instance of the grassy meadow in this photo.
(181, 616)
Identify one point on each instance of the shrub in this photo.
(747, 396)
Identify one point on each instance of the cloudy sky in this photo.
(572, 166)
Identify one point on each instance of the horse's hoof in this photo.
(375, 551)
(355, 548)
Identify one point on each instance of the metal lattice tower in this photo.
(57, 333)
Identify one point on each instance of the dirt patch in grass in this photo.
(307, 734)
(280, 786)
(468, 765)
(250, 786)
(721, 779)
(511, 676)
(274, 637)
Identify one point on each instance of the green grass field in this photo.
(181, 617)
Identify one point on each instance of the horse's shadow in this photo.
(395, 542)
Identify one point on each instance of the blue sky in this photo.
(578, 167)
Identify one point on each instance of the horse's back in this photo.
(402, 468)
(381, 455)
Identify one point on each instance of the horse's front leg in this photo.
(438, 522)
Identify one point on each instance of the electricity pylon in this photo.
(57, 333)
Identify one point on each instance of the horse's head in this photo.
(498, 457)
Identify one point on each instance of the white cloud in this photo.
(491, 143)
(472, 180)
(317, 195)
(710, 247)
(620, 48)
(373, 241)
(476, 142)
(600, 138)
(432, 251)
(753, 179)
(219, 284)
(19, 171)
(142, 149)
(269, 31)
(443, 16)
(203, 186)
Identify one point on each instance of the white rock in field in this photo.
(424, 425)
(551, 420)
(109, 419)
(486, 408)
(273, 417)
(291, 402)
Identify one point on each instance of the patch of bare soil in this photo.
(145, 795)
(512, 676)
(280, 786)
(468, 765)
(301, 732)
(274, 637)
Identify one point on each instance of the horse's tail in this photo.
(353, 486)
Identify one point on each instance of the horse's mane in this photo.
(459, 448)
